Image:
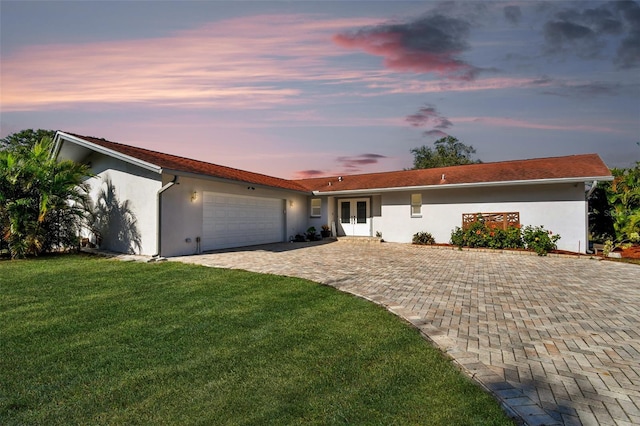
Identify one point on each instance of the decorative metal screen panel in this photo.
(498, 220)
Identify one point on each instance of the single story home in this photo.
(152, 203)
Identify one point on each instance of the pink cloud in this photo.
(354, 164)
(221, 64)
(306, 174)
(430, 44)
(429, 116)
(510, 122)
(436, 133)
(343, 164)
(394, 86)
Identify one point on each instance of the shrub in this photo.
(610, 246)
(539, 239)
(481, 235)
(477, 235)
(513, 238)
(457, 237)
(41, 200)
(423, 238)
(311, 233)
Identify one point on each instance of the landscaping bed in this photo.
(519, 251)
(631, 252)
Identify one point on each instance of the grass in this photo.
(95, 341)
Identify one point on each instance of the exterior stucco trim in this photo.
(466, 185)
(60, 136)
(223, 180)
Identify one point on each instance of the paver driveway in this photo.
(557, 340)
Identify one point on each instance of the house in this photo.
(159, 204)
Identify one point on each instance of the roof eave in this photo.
(105, 151)
(56, 145)
(468, 185)
(234, 181)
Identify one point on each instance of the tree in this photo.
(624, 197)
(600, 218)
(447, 151)
(24, 140)
(615, 206)
(42, 201)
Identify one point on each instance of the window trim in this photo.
(313, 212)
(417, 203)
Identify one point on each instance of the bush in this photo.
(42, 201)
(479, 234)
(610, 246)
(423, 238)
(512, 238)
(457, 237)
(311, 233)
(539, 239)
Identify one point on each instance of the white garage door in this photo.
(236, 221)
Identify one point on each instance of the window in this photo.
(345, 212)
(316, 203)
(416, 205)
(361, 212)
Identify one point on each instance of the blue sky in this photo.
(302, 89)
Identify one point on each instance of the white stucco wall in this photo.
(315, 221)
(182, 218)
(137, 188)
(331, 212)
(559, 208)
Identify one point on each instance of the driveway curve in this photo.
(555, 339)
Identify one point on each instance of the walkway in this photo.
(555, 339)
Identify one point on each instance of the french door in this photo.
(355, 219)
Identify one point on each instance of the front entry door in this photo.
(354, 217)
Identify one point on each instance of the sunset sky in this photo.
(302, 89)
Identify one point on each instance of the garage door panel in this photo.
(234, 221)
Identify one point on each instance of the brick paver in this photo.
(555, 339)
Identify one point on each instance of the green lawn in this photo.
(86, 340)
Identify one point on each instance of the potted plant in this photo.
(311, 233)
(326, 231)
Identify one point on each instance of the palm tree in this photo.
(41, 200)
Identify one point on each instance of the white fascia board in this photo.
(467, 185)
(237, 182)
(105, 151)
(56, 145)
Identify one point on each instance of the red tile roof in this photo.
(181, 164)
(585, 167)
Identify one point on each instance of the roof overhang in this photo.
(77, 149)
(583, 180)
(233, 181)
(82, 148)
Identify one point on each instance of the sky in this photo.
(298, 89)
